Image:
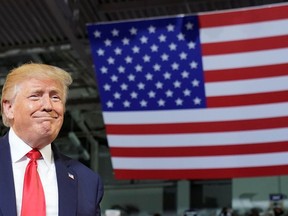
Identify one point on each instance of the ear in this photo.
(8, 109)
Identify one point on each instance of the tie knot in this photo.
(34, 154)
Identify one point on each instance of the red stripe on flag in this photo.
(246, 73)
(249, 99)
(201, 173)
(198, 150)
(243, 16)
(198, 127)
(245, 45)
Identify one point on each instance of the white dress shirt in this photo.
(46, 169)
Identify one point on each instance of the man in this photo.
(33, 106)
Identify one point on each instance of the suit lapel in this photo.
(7, 190)
(67, 186)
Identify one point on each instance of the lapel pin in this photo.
(70, 176)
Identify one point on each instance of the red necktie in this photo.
(33, 199)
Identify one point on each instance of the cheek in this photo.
(24, 109)
(59, 108)
(30, 106)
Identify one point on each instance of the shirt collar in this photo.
(19, 149)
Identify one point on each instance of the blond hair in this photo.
(28, 71)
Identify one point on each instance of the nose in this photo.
(47, 103)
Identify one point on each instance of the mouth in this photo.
(46, 117)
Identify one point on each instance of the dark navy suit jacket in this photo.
(80, 190)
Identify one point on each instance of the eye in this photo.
(56, 98)
(34, 97)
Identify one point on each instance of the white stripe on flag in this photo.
(247, 59)
(199, 139)
(247, 86)
(197, 115)
(235, 161)
(244, 31)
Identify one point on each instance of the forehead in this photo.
(41, 83)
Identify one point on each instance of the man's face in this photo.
(37, 112)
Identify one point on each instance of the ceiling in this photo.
(54, 32)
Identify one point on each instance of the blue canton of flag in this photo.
(149, 64)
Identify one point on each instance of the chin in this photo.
(48, 133)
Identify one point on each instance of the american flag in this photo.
(201, 96)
